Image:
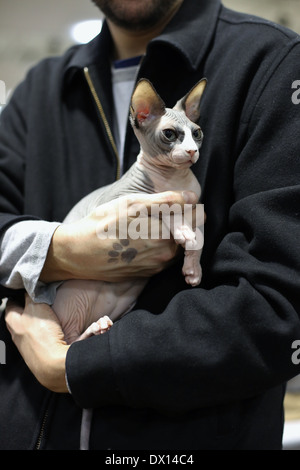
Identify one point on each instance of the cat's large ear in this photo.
(146, 104)
(190, 103)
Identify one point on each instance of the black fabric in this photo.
(202, 367)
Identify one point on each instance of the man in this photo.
(200, 368)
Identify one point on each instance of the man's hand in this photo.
(39, 338)
(78, 252)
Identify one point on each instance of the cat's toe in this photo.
(193, 276)
(188, 272)
(104, 324)
(195, 281)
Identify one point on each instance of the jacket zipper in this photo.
(42, 430)
(104, 119)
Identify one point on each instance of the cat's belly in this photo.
(79, 303)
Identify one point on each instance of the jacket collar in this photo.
(198, 17)
(191, 29)
(94, 51)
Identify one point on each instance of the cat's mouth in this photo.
(185, 160)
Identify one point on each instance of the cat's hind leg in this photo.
(192, 268)
(192, 241)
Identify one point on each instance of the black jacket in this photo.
(198, 368)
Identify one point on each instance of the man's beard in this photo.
(136, 15)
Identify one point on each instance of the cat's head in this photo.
(170, 136)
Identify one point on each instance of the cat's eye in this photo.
(197, 134)
(170, 134)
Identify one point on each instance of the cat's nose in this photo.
(191, 153)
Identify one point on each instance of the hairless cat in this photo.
(170, 141)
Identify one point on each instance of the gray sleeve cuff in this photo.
(23, 250)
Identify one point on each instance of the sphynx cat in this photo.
(170, 140)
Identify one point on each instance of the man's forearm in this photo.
(58, 264)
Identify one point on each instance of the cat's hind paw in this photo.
(192, 271)
(97, 328)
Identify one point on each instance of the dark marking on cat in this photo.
(136, 123)
(147, 181)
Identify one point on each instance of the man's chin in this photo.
(135, 15)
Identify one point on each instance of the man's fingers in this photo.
(167, 197)
(13, 306)
(13, 309)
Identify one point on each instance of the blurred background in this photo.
(33, 29)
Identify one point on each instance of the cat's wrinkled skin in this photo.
(170, 141)
(80, 304)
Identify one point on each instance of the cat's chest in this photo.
(176, 182)
(142, 178)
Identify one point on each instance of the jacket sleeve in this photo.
(13, 163)
(233, 340)
(12, 156)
